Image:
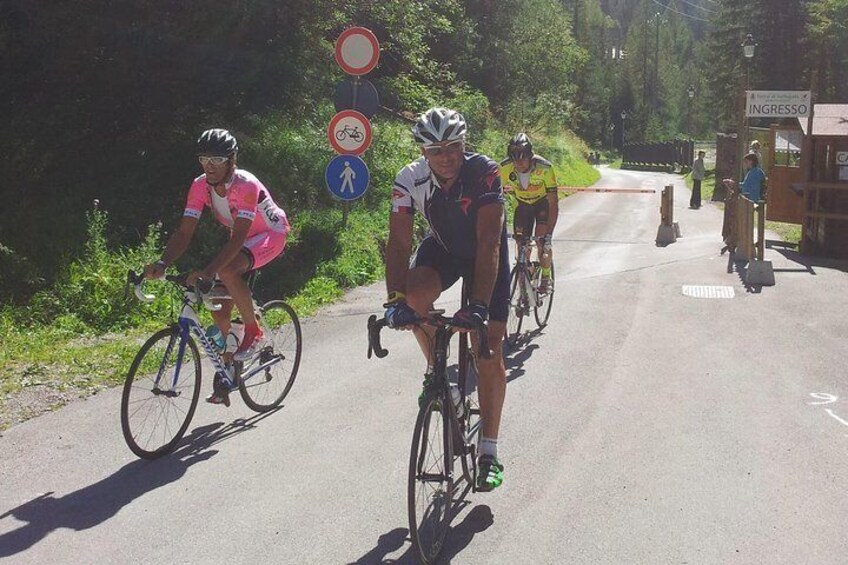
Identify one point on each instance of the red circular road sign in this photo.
(349, 133)
(357, 51)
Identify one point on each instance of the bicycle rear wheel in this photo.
(544, 303)
(516, 308)
(431, 485)
(160, 393)
(267, 379)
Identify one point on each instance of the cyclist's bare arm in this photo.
(398, 251)
(232, 247)
(553, 211)
(177, 245)
(489, 226)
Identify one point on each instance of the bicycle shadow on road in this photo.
(515, 361)
(459, 537)
(98, 502)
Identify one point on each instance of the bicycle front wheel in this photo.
(516, 312)
(160, 393)
(431, 485)
(267, 379)
(542, 311)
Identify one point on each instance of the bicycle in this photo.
(349, 131)
(524, 292)
(163, 381)
(445, 430)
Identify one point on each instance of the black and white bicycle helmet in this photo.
(438, 125)
(520, 147)
(217, 142)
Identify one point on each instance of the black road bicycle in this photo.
(446, 433)
(524, 294)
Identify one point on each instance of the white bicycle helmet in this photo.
(438, 125)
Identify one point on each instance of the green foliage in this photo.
(89, 295)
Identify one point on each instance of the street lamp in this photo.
(623, 117)
(748, 46)
(691, 92)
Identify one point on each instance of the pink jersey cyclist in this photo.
(246, 198)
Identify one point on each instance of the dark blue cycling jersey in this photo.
(452, 215)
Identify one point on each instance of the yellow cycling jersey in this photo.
(540, 182)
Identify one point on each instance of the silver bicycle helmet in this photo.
(438, 125)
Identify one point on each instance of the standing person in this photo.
(258, 230)
(698, 174)
(755, 149)
(532, 181)
(752, 185)
(460, 195)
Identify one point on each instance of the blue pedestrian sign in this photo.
(347, 177)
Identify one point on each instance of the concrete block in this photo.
(676, 230)
(666, 235)
(760, 273)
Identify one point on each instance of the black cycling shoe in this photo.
(220, 392)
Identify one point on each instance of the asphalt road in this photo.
(641, 426)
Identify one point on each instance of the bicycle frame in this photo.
(526, 280)
(189, 324)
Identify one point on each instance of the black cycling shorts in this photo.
(431, 254)
(526, 215)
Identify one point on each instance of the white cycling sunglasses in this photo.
(215, 160)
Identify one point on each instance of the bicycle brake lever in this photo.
(374, 346)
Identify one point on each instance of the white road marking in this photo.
(837, 418)
(825, 397)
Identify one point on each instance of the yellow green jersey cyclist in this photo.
(532, 181)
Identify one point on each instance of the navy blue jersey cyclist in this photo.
(460, 195)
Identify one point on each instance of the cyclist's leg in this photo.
(431, 271)
(522, 224)
(492, 383)
(231, 275)
(258, 250)
(492, 386)
(542, 213)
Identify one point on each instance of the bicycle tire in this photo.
(514, 320)
(471, 413)
(428, 541)
(274, 316)
(548, 301)
(174, 337)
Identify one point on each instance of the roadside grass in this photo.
(616, 164)
(789, 233)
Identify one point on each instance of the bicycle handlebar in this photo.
(202, 288)
(375, 326)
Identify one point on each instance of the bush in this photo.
(90, 291)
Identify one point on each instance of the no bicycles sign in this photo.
(349, 133)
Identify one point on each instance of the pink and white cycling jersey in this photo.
(246, 198)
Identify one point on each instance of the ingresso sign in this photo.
(778, 104)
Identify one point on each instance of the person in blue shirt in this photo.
(752, 185)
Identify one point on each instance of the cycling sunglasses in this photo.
(436, 150)
(214, 159)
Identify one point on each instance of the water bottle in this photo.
(234, 336)
(216, 338)
(456, 397)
